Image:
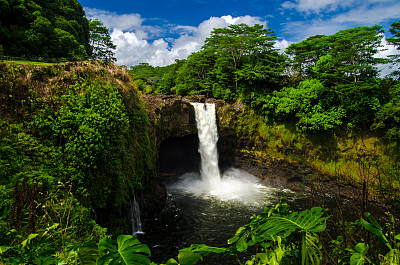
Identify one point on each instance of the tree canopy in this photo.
(235, 62)
(100, 41)
(395, 41)
(47, 29)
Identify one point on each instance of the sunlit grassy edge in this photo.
(29, 63)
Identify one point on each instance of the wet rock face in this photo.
(179, 155)
(175, 130)
(153, 200)
(174, 126)
(171, 116)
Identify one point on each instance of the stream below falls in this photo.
(202, 218)
(207, 207)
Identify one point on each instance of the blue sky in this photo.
(158, 32)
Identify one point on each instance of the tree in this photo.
(168, 81)
(305, 54)
(232, 44)
(195, 76)
(100, 41)
(147, 77)
(395, 41)
(346, 66)
(354, 50)
(47, 29)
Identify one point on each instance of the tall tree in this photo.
(346, 66)
(395, 40)
(100, 41)
(234, 43)
(195, 75)
(306, 53)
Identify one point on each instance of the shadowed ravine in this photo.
(207, 207)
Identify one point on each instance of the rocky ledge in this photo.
(173, 116)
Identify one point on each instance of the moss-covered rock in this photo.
(90, 120)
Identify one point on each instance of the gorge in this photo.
(82, 133)
(206, 206)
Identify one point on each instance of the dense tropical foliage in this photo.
(48, 29)
(76, 145)
(37, 29)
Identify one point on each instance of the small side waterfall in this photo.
(135, 217)
(208, 138)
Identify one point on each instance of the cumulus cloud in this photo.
(369, 16)
(367, 13)
(140, 43)
(125, 22)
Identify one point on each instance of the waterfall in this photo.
(233, 184)
(135, 217)
(208, 138)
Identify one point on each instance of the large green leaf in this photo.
(82, 254)
(305, 221)
(375, 228)
(265, 228)
(128, 251)
(188, 258)
(203, 249)
(3, 249)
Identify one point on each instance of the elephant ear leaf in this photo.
(129, 251)
(305, 221)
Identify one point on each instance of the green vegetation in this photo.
(40, 30)
(29, 63)
(47, 29)
(76, 144)
(321, 102)
(275, 236)
(72, 147)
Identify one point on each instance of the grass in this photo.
(30, 63)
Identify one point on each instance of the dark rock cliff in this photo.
(173, 121)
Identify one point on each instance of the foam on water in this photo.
(235, 185)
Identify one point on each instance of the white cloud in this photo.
(367, 13)
(311, 28)
(138, 43)
(281, 45)
(384, 52)
(125, 22)
(316, 6)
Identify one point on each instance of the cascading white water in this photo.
(234, 184)
(208, 138)
(136, 222)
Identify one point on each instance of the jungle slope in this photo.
(80, 125)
